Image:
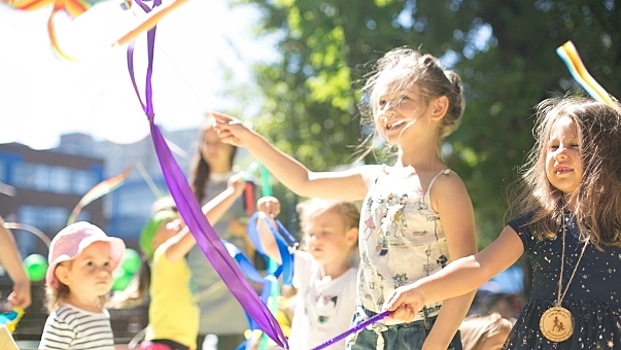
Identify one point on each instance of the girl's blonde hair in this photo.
(407, 67)
(57, 296)
(310, 209)
(596, 203)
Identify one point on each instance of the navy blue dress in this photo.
(593, 297)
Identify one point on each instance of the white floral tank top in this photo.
(401, 240)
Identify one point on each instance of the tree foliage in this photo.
(504, 50)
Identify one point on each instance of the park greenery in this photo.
(504, 50)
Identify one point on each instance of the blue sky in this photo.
(42, 97)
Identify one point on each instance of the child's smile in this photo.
(563, 160)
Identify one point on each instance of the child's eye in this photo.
(107, 263)
(89, 263)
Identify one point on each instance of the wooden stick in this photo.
(149, 23)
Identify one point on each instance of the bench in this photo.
(126, 323)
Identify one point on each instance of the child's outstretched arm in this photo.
(12, 261)
(346, 185)
(183, 242)
(459, 277)
(270, 206)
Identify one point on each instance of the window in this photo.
(23, 175)
(60, 180)
(56, 179)
(3, 171)
(50, 219)
(82, 181)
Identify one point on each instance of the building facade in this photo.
(40, 188)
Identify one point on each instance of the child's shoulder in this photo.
(445, 181)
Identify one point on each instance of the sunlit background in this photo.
(43, 96)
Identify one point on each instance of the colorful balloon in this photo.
(131, 261)
(121, 279)
(35, 266)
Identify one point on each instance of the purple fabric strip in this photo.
(190, 210)
(355, 329)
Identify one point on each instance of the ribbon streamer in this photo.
(189, 209)
(271, 279)
(354, 329)
(568, 53)
(35, 231)
(98, 191)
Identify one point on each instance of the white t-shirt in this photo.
(324, 307)
(69, 327)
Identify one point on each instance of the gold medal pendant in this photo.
(557, 324)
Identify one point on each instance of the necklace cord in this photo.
(560, 279)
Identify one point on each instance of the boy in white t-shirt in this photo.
(324, 273)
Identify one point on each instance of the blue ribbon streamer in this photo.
(285, 269)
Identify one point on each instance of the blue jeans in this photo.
(404, 336)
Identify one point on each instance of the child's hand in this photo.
(20, 296)
(404, 303)
(269, 205)
(237, 184)
(230, 130)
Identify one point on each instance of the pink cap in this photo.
(72, 240)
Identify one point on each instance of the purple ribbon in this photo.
(354, 329)
(191, 212)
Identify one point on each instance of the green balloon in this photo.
(121, 279)
(35, 266)
(131, 261)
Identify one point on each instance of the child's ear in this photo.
(62, 273)
(439, 106)
(352, 236)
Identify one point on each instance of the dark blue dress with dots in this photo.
(593, 297)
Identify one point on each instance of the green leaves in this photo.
(503, 50)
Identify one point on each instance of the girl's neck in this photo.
(419, 153)
(333, 270)
(419, 161)
(91, 304)
(220, 168)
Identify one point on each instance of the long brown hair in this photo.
(200, 169)
(406, 67)
(596, 203)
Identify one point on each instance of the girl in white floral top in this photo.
(417, 215)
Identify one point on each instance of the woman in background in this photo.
(211, 168)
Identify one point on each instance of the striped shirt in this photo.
(69, 327)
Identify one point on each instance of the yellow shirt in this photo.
(173, 312)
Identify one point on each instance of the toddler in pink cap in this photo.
(78, 280)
